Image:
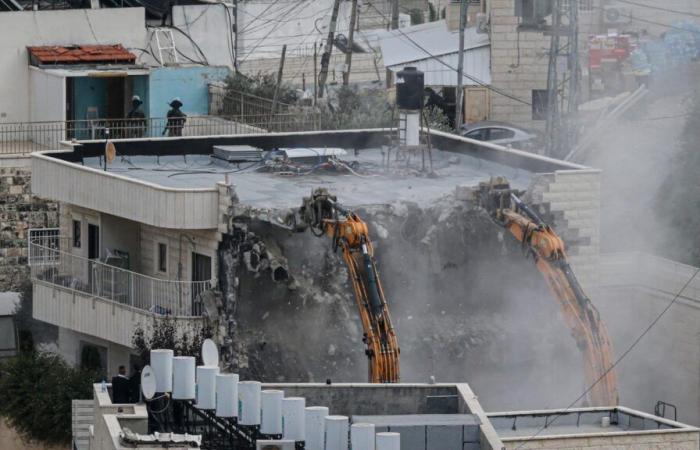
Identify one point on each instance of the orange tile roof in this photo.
(81, 54)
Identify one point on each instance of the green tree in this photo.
(261, 85)
(36, 390)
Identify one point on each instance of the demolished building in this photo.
(459, 291)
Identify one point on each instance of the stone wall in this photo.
(518, 65)
(570, 202)
(19, 211)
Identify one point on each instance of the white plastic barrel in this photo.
(314, 426)
(336, 432)
(388, 441)
(249, 402)
(362, 436)
(227, 395)
(271, 420)
(293, 418)
(184, 377)
(206, 387)
(162, 365)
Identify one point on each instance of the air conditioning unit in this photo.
(615, 15)
(275, 445)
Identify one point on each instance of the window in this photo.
(162, 257)
(77, 224)
(480, 135)
(533, 12)
(500, 133)
(540, 104)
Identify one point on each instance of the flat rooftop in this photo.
(368, 181)
(579, 421)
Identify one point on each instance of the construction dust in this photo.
(462, 296)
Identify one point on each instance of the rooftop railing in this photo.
(50, 264)
(27, 137)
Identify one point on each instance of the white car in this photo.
(502, 133)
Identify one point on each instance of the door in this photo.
(94, 273)
(201, 271)
(476, 104)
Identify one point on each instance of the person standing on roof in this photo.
(136, 122)
(176, 118)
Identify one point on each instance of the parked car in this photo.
(502, 133)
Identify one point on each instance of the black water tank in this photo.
(409, 88)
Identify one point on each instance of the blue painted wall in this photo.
(188, 83)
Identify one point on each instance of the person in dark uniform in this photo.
(137, 119)
(176, 118)
(135, 385)
(121, 387)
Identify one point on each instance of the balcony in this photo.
(91, 297)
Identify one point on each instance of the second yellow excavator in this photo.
(547, 248)
(322, 213)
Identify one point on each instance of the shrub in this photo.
(36, 391)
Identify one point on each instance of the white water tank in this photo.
(206, 387)
(293, 418)
(184, 377)
(227, 395)
(336, 432)
(362, 436)
(388, 441)
(162, 365)
(314, 426)
(249, 402)
(271, 420)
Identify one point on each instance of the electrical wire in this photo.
(269, 34)
(659, 8)
(616, 363)
(652, 22)
(439, 60)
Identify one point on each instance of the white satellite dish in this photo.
(148, 382)
(210, 354)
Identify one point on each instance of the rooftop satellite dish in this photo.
(110, 151)
(210, 354)
(148, 382)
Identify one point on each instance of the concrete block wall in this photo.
(518, 65)
(570, 201)
(366, 67)
(671, 440)
(19, 211)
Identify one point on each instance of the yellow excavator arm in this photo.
(324, 216)
(580, 314)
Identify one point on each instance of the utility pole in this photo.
(351, 36)
(394, 26)
(235, 35)
(279, 82)
(326, 57)
(460, 64)
(315, 73)
(563, 88)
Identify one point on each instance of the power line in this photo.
(659, 8)
(626, 352)
(474, 79)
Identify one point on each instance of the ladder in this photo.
(165, 41)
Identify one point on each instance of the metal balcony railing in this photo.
(50, 264)
(27, 137)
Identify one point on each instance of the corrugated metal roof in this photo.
(81, 54)
(421, 41)
(477, 64)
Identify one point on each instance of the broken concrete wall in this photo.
(462, 294)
